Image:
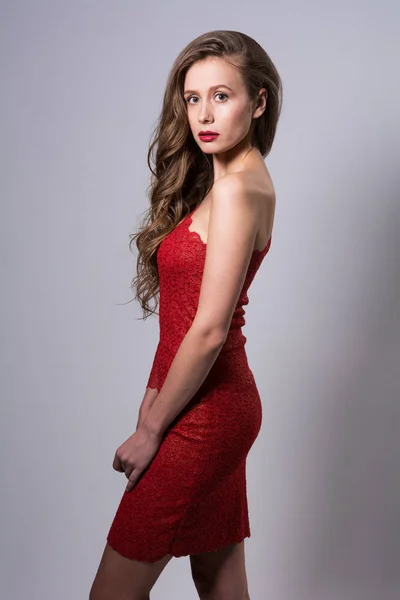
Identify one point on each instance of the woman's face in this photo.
(216, 100)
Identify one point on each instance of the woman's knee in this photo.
(98, 594)
(210, 590)
(118, 578)
(220, 575)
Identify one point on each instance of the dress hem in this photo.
(140, 557)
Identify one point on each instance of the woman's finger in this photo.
(128, 470)
(117, 463)
(134, 476)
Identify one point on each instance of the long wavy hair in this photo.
(182, 174)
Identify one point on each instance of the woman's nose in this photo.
(205, 115)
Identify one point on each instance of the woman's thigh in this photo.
(220, 575)
(119, 578)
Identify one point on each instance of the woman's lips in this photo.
(208, 137)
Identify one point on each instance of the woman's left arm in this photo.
(232, 228)
(233, 225)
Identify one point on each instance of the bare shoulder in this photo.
(254, 189)
(250, 183)
(231, 183)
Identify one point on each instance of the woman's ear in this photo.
(261, 103)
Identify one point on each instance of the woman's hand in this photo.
(135, 454)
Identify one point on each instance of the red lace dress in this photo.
(192, 498)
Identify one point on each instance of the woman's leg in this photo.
(119, 578)
(221, 575)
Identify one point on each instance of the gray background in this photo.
(82, 84)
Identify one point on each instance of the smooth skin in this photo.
(218, 575)
(119, 578)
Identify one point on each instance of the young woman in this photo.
(208, 229)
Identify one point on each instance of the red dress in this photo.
(192, 497)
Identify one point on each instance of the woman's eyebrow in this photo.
(214, 87)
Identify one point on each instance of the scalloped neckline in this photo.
(188, 221)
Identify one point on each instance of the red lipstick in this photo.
(208, 136)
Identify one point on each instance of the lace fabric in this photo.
(180, 262)
(192, 498)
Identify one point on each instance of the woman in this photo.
(208, 229)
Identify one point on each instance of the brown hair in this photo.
(183, 175)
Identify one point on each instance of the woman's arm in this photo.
(148, 399)
(192, 362)
(232, 229)
(152, 387)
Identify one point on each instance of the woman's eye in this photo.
(195, 97)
